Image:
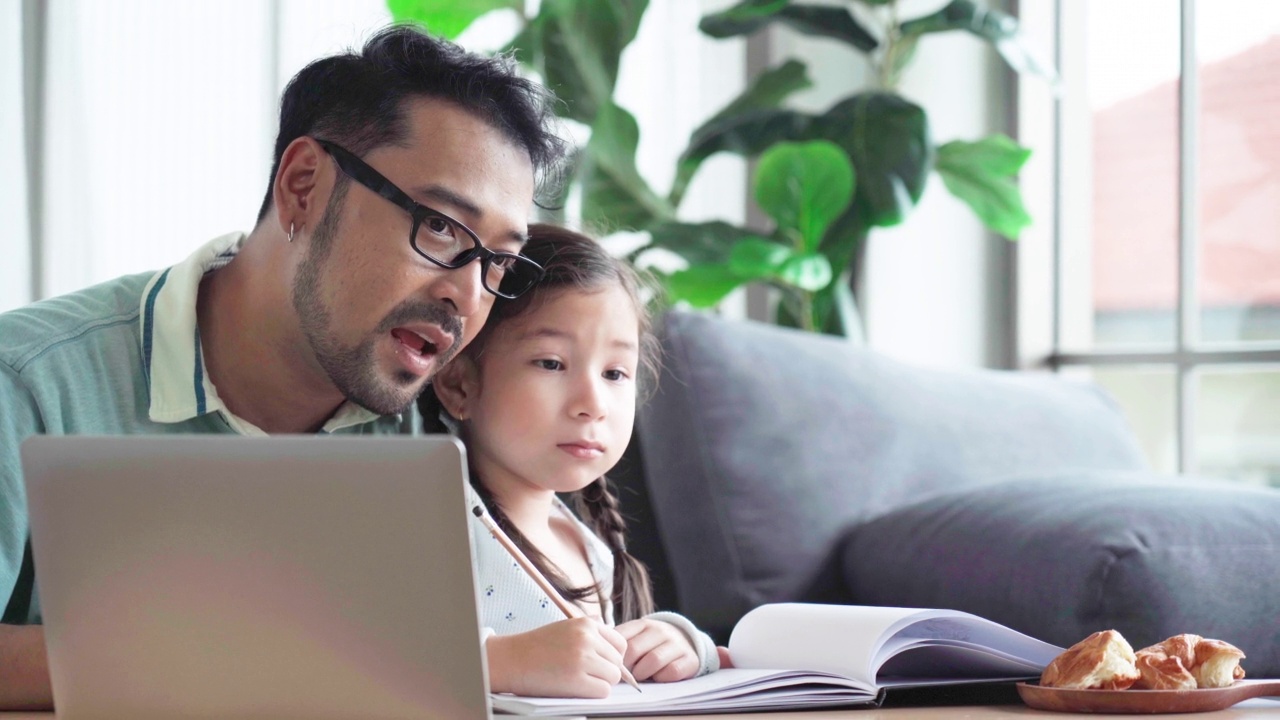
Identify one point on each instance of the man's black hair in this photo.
(358, 99)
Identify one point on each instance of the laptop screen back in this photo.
(231, 577)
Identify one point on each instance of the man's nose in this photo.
(461, 288)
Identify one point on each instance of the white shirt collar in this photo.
(180, 387)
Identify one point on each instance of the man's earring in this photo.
(290, 232)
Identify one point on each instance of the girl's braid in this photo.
(632, 592)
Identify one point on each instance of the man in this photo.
(399, 198)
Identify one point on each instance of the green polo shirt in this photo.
(120, 358)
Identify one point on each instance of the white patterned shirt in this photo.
(511, 602)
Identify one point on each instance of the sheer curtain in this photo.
(158, 119)
(15, 259)
(156, 127)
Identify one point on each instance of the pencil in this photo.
(569, 609)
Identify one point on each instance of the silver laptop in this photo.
(231, 577)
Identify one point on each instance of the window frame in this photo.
(1052, 122)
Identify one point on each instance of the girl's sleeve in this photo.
(703, 645)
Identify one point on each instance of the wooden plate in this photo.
(1144, 702)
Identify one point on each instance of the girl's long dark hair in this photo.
(573, 261)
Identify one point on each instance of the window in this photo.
(1161, 277)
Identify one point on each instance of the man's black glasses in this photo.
(438, 237)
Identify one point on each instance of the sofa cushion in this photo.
(1061, 557)
(762, 444)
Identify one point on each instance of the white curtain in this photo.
(15, 259)
(158, 122)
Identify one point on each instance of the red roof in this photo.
(1135, 211)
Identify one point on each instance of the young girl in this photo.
(545, 399)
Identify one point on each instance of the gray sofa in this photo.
(774, 465)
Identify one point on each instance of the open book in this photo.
(797, 655)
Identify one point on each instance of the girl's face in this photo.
(556, 397)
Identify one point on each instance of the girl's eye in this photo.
(615, 375)
(549, 364)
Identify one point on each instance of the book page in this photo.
(942, 664)
(857, 641)
(725, 690)
(840, 639)
(953, 628)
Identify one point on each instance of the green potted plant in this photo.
(575, 46)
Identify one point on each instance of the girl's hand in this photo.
(579, 657)
(725, 660)
(658, 651)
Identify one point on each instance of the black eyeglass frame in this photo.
(360, 171)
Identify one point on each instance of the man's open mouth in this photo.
(414, 341)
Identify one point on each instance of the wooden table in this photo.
(1248, 710)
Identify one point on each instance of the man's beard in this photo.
(353, 369)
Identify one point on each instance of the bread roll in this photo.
(1217, 664)
(1210, 663)
(1102, 661)
(1162, 672)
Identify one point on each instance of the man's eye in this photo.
(439, 226)
(503, 262)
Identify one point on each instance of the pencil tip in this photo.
(475, 510)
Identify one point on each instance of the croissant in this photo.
(1162, 672)
(1102, 661)
(1205, 662)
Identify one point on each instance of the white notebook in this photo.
(797, 655)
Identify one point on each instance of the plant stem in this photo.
(806, 311)
(888, 60)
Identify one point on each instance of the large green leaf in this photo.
(748, 134)
(747, 11)
(994, 26)
(755, 257)
(981, 174)
(887, 137)
(765, 93)
(822, 20)
(963, 15)
(804, 187)
(614, 195)
(446, 17)
(702, 285)
(579, 44)
(845, 239)
(699, 243)
(996, 154)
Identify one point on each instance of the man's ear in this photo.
(457, 385)
(297, 184)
